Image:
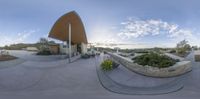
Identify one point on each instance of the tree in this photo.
(43, 41)
(183, 46)
(44, 47)
(52, 42)
(195, 47)
(43, 44)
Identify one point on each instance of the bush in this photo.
(108, 65)
(154, 60)
(85, 56)
(98, 54)
(132, 54)
(44, 52)
(181, 51)
(115, 65)
(141, 51)
(177, 60)
(92, 55)
(172, 51)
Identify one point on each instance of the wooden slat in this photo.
(60, 28)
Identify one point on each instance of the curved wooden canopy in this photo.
(60, 30)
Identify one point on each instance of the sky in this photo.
(140, 23)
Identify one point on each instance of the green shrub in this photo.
(107, 65)
(172, 51)
(44, 52)
(132, 54)
(154, 60)
(181, 51)
(85, 56)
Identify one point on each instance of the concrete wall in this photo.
(197, 56)
(64, 50)
(74, 49)
(175, 70)
(83, 48)
(54, 49)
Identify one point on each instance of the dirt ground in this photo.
(7, 57)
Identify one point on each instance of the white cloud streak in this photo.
(134, 28)
(18, 38)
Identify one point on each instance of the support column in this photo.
(69, 42)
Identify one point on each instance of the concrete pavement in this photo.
(77, 80)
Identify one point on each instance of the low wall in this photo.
(197, 56)
(175, 70)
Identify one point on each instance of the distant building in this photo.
(31, 49)
(60, 31)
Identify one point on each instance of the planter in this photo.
(179, 68)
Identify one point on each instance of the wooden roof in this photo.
(60, 29)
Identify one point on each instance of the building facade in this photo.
(75, 48)
(60, 31)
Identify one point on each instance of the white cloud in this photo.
(18, 38)
(180, 32)
(138, 28)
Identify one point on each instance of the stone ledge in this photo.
(197, 56)
(178, 69)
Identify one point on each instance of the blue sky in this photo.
(143, 23)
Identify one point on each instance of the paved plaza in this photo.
(53, 77)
